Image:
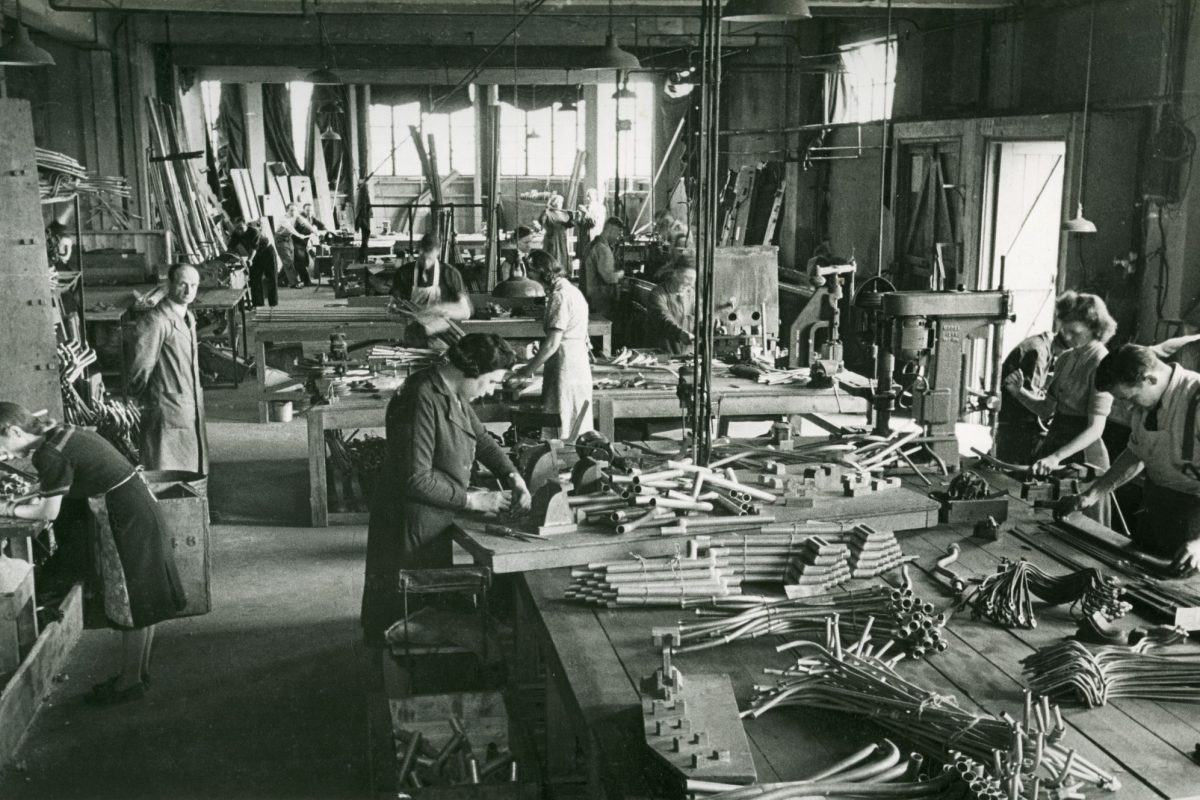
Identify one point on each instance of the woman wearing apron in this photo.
(436, 289)
(567, 382)
(1078, 407)
(140, 580)
(434, 439)
(1165, 400)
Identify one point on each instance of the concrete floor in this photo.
(262, 697)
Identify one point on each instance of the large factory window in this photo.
(540, 142)
(393, 148)
(863, 89)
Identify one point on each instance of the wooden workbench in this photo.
(364, 324)
(594, 658)
(732, 397)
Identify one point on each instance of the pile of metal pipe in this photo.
(1069, 671)
(879, 770)
(913, 626)
(652, 581)
(1025, 756)
(1006, 597)
(420, 764)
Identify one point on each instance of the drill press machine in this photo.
(923, 349)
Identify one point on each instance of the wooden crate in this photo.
(18, 613)
(185, 509)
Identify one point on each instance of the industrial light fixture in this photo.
(765, 10)
(21, 51)
(323, 76)
(1080, 223)
(611, 56)
(624, 93)
(330, 135)
(571, 103)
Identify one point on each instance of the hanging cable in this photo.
(883, 136)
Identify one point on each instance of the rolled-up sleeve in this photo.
(425, 483)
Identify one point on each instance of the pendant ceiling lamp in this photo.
(624, 93)
(323, 76)
(1080, 223)
(765, 10)
(330, 135)
(20, 51)
(611, 56)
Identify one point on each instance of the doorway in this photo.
(1023, 195)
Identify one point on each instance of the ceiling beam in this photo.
(70, 26)
(483, 7)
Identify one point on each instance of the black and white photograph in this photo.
(599, 399)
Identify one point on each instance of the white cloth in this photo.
(1161, 450)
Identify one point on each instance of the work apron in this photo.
(424, 297)
(567, 385)
(1064, 428)
(1170, 512)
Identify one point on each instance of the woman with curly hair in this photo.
(1079, 409)
(434, 439)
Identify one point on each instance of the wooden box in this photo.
(18, 613)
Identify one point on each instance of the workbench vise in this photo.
(925, 341)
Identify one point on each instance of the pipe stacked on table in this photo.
(1069, 671)
(874, 771)
(1024, 756)
(1006, 597)
(913, 625)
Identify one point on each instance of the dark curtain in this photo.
(231, 128)
(446, 100)
(533, 98)
(277, 124)
(328, 111)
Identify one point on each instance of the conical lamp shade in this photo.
(569, 105)
(1078, 223)
(611, 56)
(765, 10)
(21, 52)
(330, 135)
(323, 77)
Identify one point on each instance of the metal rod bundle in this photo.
(1069, 671)
(1006, 597)
(652, 581)
(856, 679)
(898, 614)
(879, 770)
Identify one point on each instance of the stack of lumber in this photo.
(186, 206)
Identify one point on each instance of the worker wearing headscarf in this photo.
(434, 439)
(435, 289)
(555, 222)
(1080, 410)
(1165, 401)
(567, 382)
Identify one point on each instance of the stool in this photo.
(18, 612)
(471, 581)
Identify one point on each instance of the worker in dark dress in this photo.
(672, 311)
(259, 250)
(1163, 443)
(601, 275)
(434, 439)
(555, 222)
(435, 289)
(138, 573)
(1020, 430)
(164, 376)
(1079, 408)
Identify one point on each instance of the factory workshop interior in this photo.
(718, 399)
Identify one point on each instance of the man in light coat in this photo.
(164, 375)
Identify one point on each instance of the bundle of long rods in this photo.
(878, 770)
(915, 626)
(1006, 597)
(856, 679)
(1069, 671)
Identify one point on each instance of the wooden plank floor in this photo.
(604, 653)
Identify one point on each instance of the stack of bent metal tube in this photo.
(879, 770)
(1069, 671)
(1006, 596)
(1027, 757)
